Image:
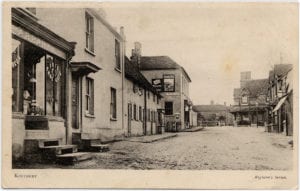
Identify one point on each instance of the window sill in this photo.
(89, 115)
(90, 52)
(113, 119)
(118, 70)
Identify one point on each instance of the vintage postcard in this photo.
(157, 95)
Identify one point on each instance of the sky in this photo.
(214, 42)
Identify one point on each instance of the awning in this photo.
(84, 68)
(279, 104)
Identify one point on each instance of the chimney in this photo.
(225, 103)
(122, 33)
(136, 53)
(212, 102)
(245, 76)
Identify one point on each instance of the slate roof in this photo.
(160, 63)
(132, 73)
(210, 108)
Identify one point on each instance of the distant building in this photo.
(213, 115)
(250, 101)
(172, 81)
(280, 97)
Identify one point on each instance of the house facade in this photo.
(250, 101)
(172, 81)
(144, 111)
(280, 97)
(96, 80)
(40, 74)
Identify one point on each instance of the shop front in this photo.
(39, 77)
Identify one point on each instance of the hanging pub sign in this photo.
(157, 84)
(169, 83)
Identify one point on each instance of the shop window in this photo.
(37, 81)
(113, 104)
(89, 32)
(117, 54)
(90, 96)
(168, 108)
(54, 85)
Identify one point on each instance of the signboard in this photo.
(169, 83)
(157, 84)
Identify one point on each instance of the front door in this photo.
(129, 118)
(75, 103)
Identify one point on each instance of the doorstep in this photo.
(151, 138)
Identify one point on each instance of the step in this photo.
(59, 149)
(49, 142)
(71, 158)
(99, 147)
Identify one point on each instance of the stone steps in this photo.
(59, 149)
(99, 147)
(71, 158)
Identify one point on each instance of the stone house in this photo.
(280, 97)
(172, 81)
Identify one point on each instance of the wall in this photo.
(70, 24)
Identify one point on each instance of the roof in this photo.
(236, 92)
(256, 87)
(280, 69)
(160, 63)
(210, 108)
(132, 73)
(244, 108)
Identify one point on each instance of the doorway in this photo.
(76, 107)
(129, 119)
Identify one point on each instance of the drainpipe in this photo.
(145, 113)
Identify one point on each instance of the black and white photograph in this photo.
(150, 87)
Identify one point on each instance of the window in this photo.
(140, 114)
(134, 112)
(244, 99)
(157, 100)
(90, 96)
(16, 58)
(169, 108)
(169, 82)
(113, 104)
(117, 54)
(154, 98)
(148, 94)
(89, 32)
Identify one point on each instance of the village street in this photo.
(213, 148)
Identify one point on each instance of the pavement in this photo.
(213, 148)
(151, 138)
(193, 129)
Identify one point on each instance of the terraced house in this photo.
(75, 95)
